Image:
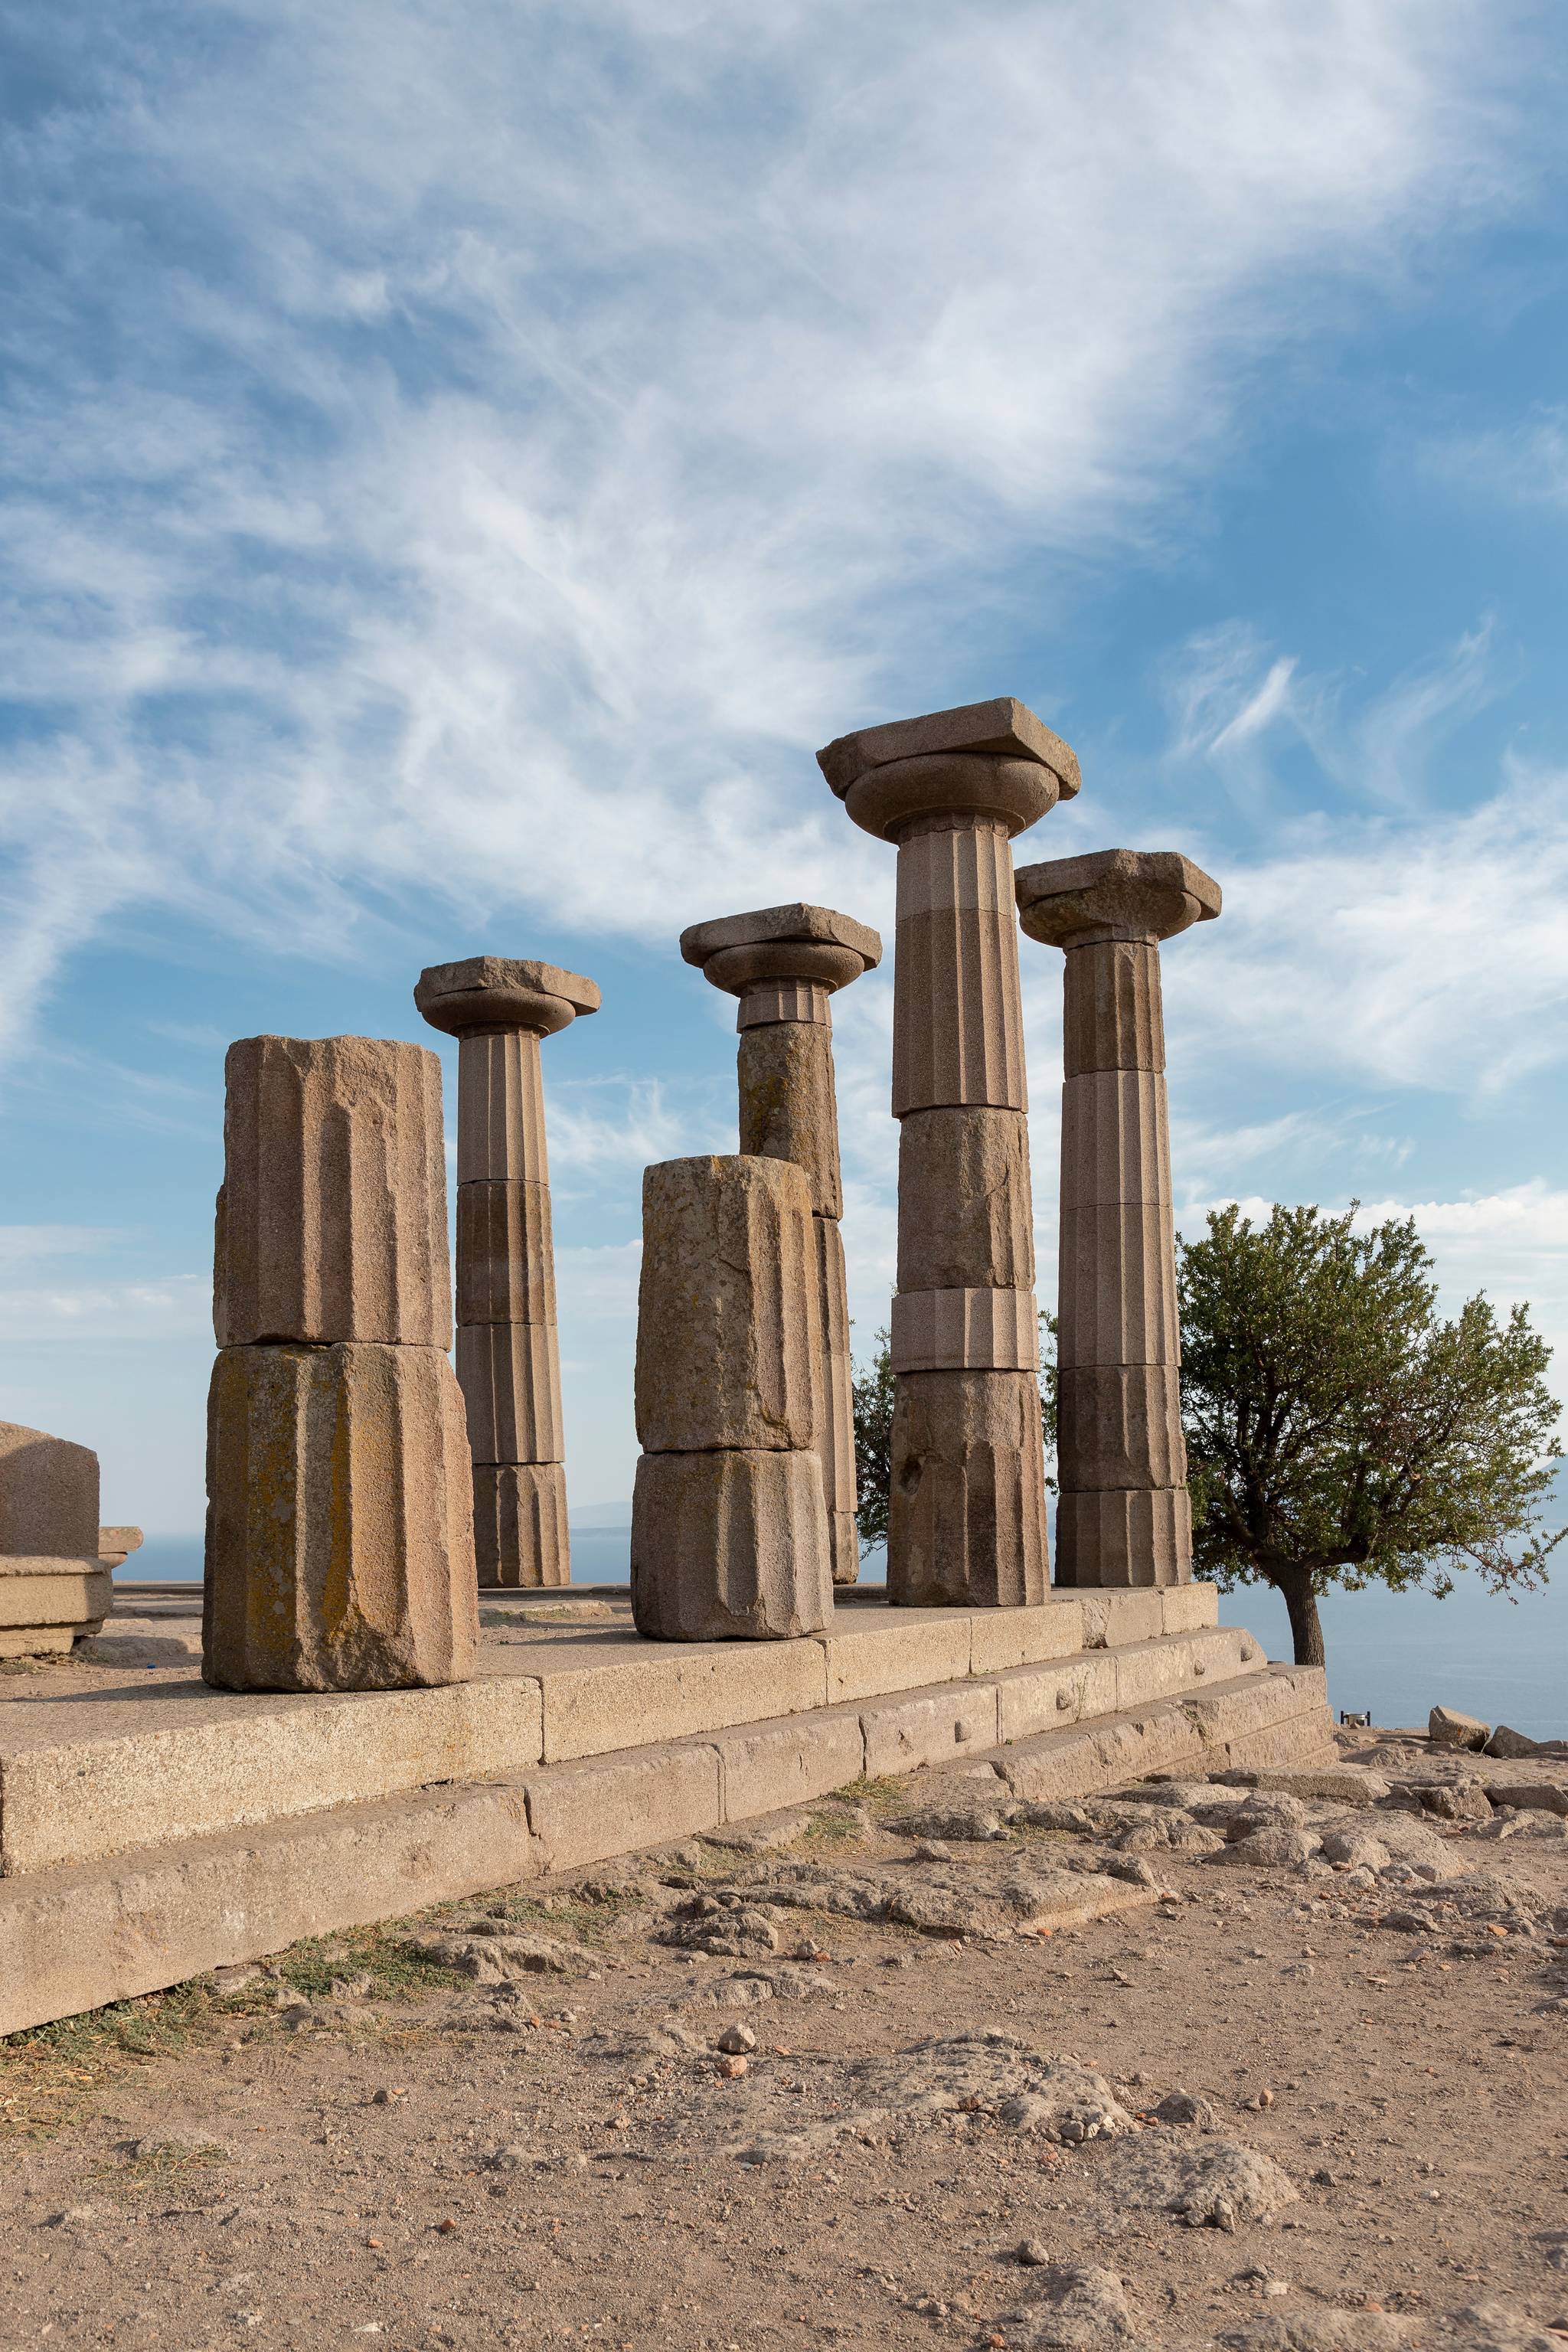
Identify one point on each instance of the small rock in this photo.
(1034, 2253)
(736, 2040)
(1270, 1847)
(1079, 2307)
(981, 1823)
(385, 2097)
(1510, 1745)
(1446, 1728)
(932, 1850)
(1547, 1796)
(1182, 2107)
(1458, 1800)
(732, 2067)
(1214, 2183)
(83, 2213)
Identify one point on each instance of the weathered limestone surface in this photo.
(509, 1357)
(967, 1515)
(728, 1324)
(788, 1104)
(116, 1544)
(519, 1514)
(957, 1331)
(340, 1520)
(966, 1209)
(506, 1264)
(730, 1544)
(967, 1506)
(1122, 1515)
(331, 1222)
(53, 1587)
(48, 1494)
(510, 1374)
(784, 964)
(730, 1525)
(833, 1404)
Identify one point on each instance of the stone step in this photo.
(78, 1935)
(88, 1774)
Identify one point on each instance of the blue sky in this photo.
(459, 462)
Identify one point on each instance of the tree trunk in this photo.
(1306, 1627)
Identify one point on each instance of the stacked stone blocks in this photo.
(1123, 1514)
(785, 964)
(508, 1358)
(730, 1535)
(340, 1527)
(967, 1511)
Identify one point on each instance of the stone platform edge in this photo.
(74, 1938)
(184, 1761)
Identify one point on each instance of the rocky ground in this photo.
(1201, 2064)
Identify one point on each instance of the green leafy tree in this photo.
(873, 1393)
(1338, 1431)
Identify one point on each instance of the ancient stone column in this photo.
(784, 964)
(728, 1518)
(967, 1515)
(340, 1548)
(1123, 1511)
(509, 1356)
(54, 1588)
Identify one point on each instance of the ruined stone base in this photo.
(340, 1520)
(46, 1603)
(520, 1539)
(967, 1498)
(586, 1749)
(729, 1545)
(1126, 1536)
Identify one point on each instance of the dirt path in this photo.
(515, 2124)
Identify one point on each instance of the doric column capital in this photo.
(782, 962)
(502, 992)
(984, 760)
(1114, 894)
(981, 761)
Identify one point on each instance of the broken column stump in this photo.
(340, 1549)
(508, 1358)
(54, 1589)
(730, 1536)
(967, 1501)
(784, 964)
(1123, 1514)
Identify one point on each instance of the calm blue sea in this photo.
(1396, 1654)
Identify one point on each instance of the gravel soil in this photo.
(812, 2086)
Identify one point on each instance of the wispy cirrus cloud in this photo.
(485, 448)
(1401, 927)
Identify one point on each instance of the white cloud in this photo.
(487, 447)
(1525, 462)
(1432, 956)
(173, 1305)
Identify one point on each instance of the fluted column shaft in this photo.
(966, 1489)
(971, 1525)
(784, 964)
(507, 1351)
(1123, 1513)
